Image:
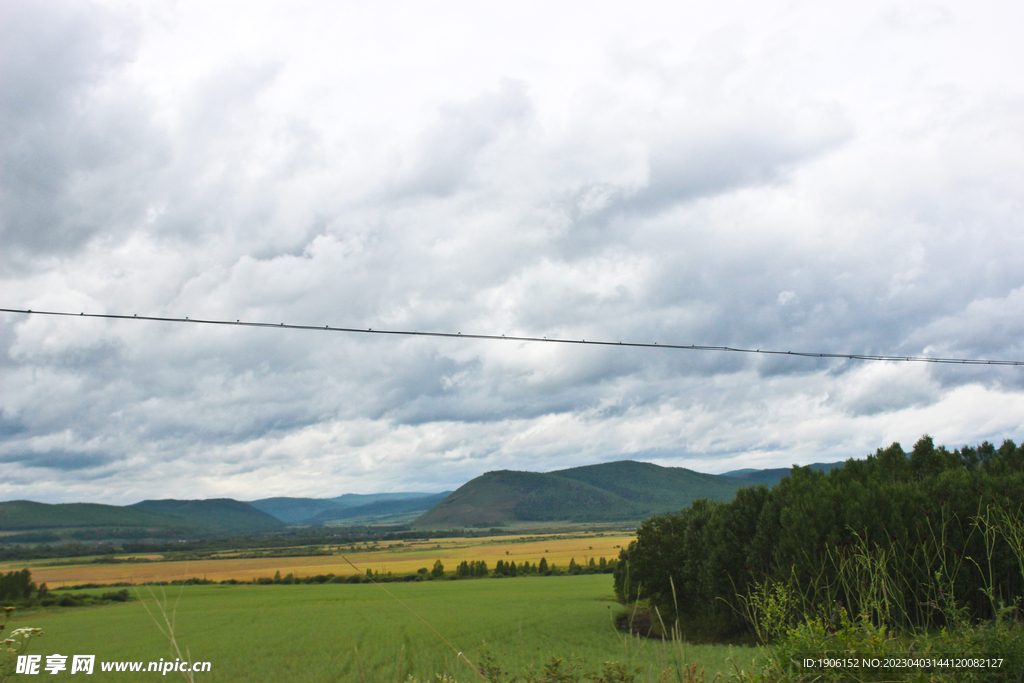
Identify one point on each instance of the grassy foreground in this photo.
(311, 632)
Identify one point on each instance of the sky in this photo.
(807, 176)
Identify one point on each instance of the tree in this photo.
(918, 511)
(17, 585)
(438, 571)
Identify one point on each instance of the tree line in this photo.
(943, 527)
(479, 568)
(18, 589)
(467, 569)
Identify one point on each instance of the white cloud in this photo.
(775, 176)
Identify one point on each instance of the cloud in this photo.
(781, 178)
(446, 152)
(63, 461)
(74, 138)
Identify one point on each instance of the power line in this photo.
(547, 340)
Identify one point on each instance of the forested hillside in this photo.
(31, 522)
(609, 492)
(225, 515)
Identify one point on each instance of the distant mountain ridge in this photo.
(382, 509)
(774, 476)
(346, 506)
(227, 515)
(149, 519)
(622, 491)
(625, 490)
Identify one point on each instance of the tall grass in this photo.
(15, 644)
(166, 623)
(876, 622)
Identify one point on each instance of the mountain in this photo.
(310, 510)
(224, 515)
(753, 477)
(382, 509)
(774, 476)
(25, 515)
(615, 491)
(623, 491)
(358, 499)
(657, 489)
(148, 519)
(293, 510)
(505, 496)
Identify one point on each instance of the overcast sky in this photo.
(810, 176)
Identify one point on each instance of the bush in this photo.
(117, 596)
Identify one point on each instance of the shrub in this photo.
(117, 596)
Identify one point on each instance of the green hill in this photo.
(222, 515)
(149, 519)
(610, 492)
(24, 515)
(654, 488)
(504, 497)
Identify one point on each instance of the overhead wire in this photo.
(527, 338)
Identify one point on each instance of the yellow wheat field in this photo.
(401, 557)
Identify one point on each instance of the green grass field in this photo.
(310, 633)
